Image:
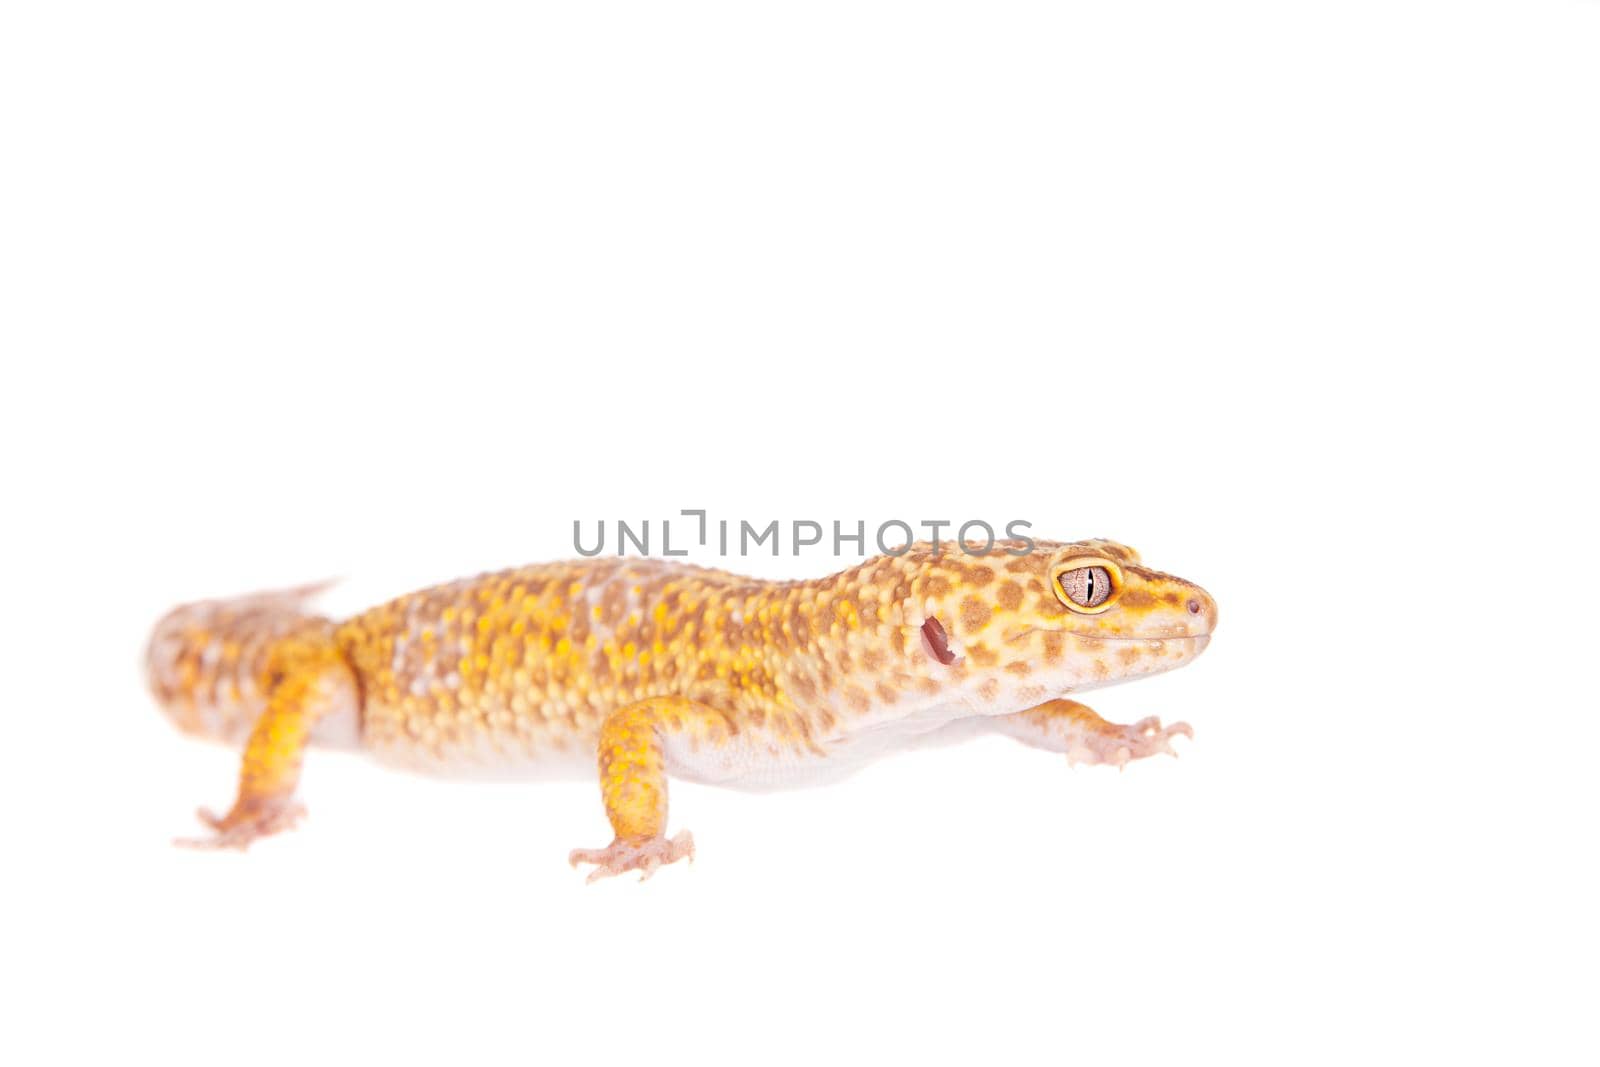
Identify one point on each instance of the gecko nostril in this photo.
(1194, 606)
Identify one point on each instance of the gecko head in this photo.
(1069, 616)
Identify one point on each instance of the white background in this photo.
(1299, 299)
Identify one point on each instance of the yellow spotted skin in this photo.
(646, 668)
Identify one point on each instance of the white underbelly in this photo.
(752, 760)
(760, 763)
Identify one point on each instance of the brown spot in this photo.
(1053, 640)
(983, 655)
(975, 614)
(1153, 577)
(1048, 606)
(1138, 598)
(989, 689)
(1019, 667)
(1009, 595)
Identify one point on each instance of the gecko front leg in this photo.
(633, 782)
(1070, 727)
(307, 678)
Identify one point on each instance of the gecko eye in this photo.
(1088, 586)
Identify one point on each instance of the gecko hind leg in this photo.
(633, 783)
(1070, 727)
(237, 829)
(309, 678)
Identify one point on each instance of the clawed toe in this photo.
(239, 828)
(1121, 745)
(642, 856)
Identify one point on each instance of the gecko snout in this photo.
(1201, 611)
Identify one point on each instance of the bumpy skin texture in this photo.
(651, 668)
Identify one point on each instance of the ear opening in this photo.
(937, 641)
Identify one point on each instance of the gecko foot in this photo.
(644, 856)
(239, 828)
(1120, 745)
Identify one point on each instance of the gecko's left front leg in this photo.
(633, 782)
(1070, 727)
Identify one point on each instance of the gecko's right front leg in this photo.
(633, 782)
(1068, 726)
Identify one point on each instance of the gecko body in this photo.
(642, 669)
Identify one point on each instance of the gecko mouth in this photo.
(1204, 638)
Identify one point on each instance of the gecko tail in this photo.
(208, 662)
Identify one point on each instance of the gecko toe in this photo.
(646, 856)
(1118, 746)
(241, 827)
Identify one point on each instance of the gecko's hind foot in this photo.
(642, 856)
(240, 827)
(1120, 745)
